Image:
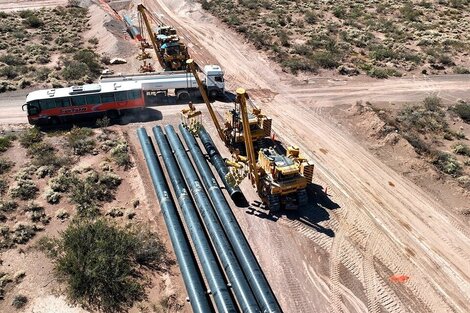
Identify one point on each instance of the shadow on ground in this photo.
(311, 215)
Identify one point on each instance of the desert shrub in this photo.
(93, 41)
(3, 14)
(432, 103)
(382, 73)
(89, 58)
(19, 301)
(9, 72)
(300, 64)
(86, 193)
(3, 186)
(5, 165)
(81, 140)
(325, 59)
(26, 13)
(44, 155)
(409, 12)
(24, 189)
(420, 146)
(42, 74)
(339, 11)
(8, 206)
(462, 149)
(12, 59)
(74, 70)
(98, 262)
(33, 21)
(120, 155)
(381, 52)
(447, 164)
(52, 196)
(461, 70)
(422, 120)
(31, 136)
(64, 181)
(463, 110)
(5, 143)
(310, 17)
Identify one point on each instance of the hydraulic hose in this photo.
(191, 276)
(242, 249)
(208, 260)
(243, 293)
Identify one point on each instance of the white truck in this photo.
(182, 83)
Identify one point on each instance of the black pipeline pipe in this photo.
(219, 164)
(208, 260)
(191, 276)
(243, 293)
(250, 266)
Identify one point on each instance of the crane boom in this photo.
(143, 12)
(202, 90)
(250, 150)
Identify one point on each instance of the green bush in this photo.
(462, 149)
(81, 140)
(3, 186)
(432, 103)
(12, 59)
(33, 21)
(5, 143)
(25, 189)
(30, 137)
(422, 120)
(19, 301)
(99, 263)
(447, 164)
(382, 73)
(5, 165)
(463, 110)
(74, 70)
(8, 206)
(310, 17)
(9, 71)
(120, 155)
(89, 58)
(325, 59)
(461, 70)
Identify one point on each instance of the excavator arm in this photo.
(192, 67)
(143, 13)
(250, 150)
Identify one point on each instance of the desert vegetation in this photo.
(46, 47)
(380, 39)
(104, 254)
(429, 128)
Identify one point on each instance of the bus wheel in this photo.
(213, 94)
(183, 96)
(54, 121)
(113, 114)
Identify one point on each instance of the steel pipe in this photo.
(187, 263)
(242, 249)
(208, 260)
(243, 293)
(219, 164)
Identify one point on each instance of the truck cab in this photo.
(214, 80)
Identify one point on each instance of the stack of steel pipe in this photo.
(219, 164)
(191, 276)
(243, 294)
(247, 260)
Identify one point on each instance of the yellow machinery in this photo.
(280, 180)
(171, 53)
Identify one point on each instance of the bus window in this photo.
(121, 96)
(62, 102)
(107, 97)
(133, 94)
(33, 108)
(93, 99)
(76, 101)
(47, 104)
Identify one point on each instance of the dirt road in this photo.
(384, 225)
(6, 5)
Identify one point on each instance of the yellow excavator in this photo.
(280, 180)
(170, 51)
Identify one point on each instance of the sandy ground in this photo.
(337, 256)
(6, 5)
(384, 225)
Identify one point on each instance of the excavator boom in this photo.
(192, 67)
(143, 13)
